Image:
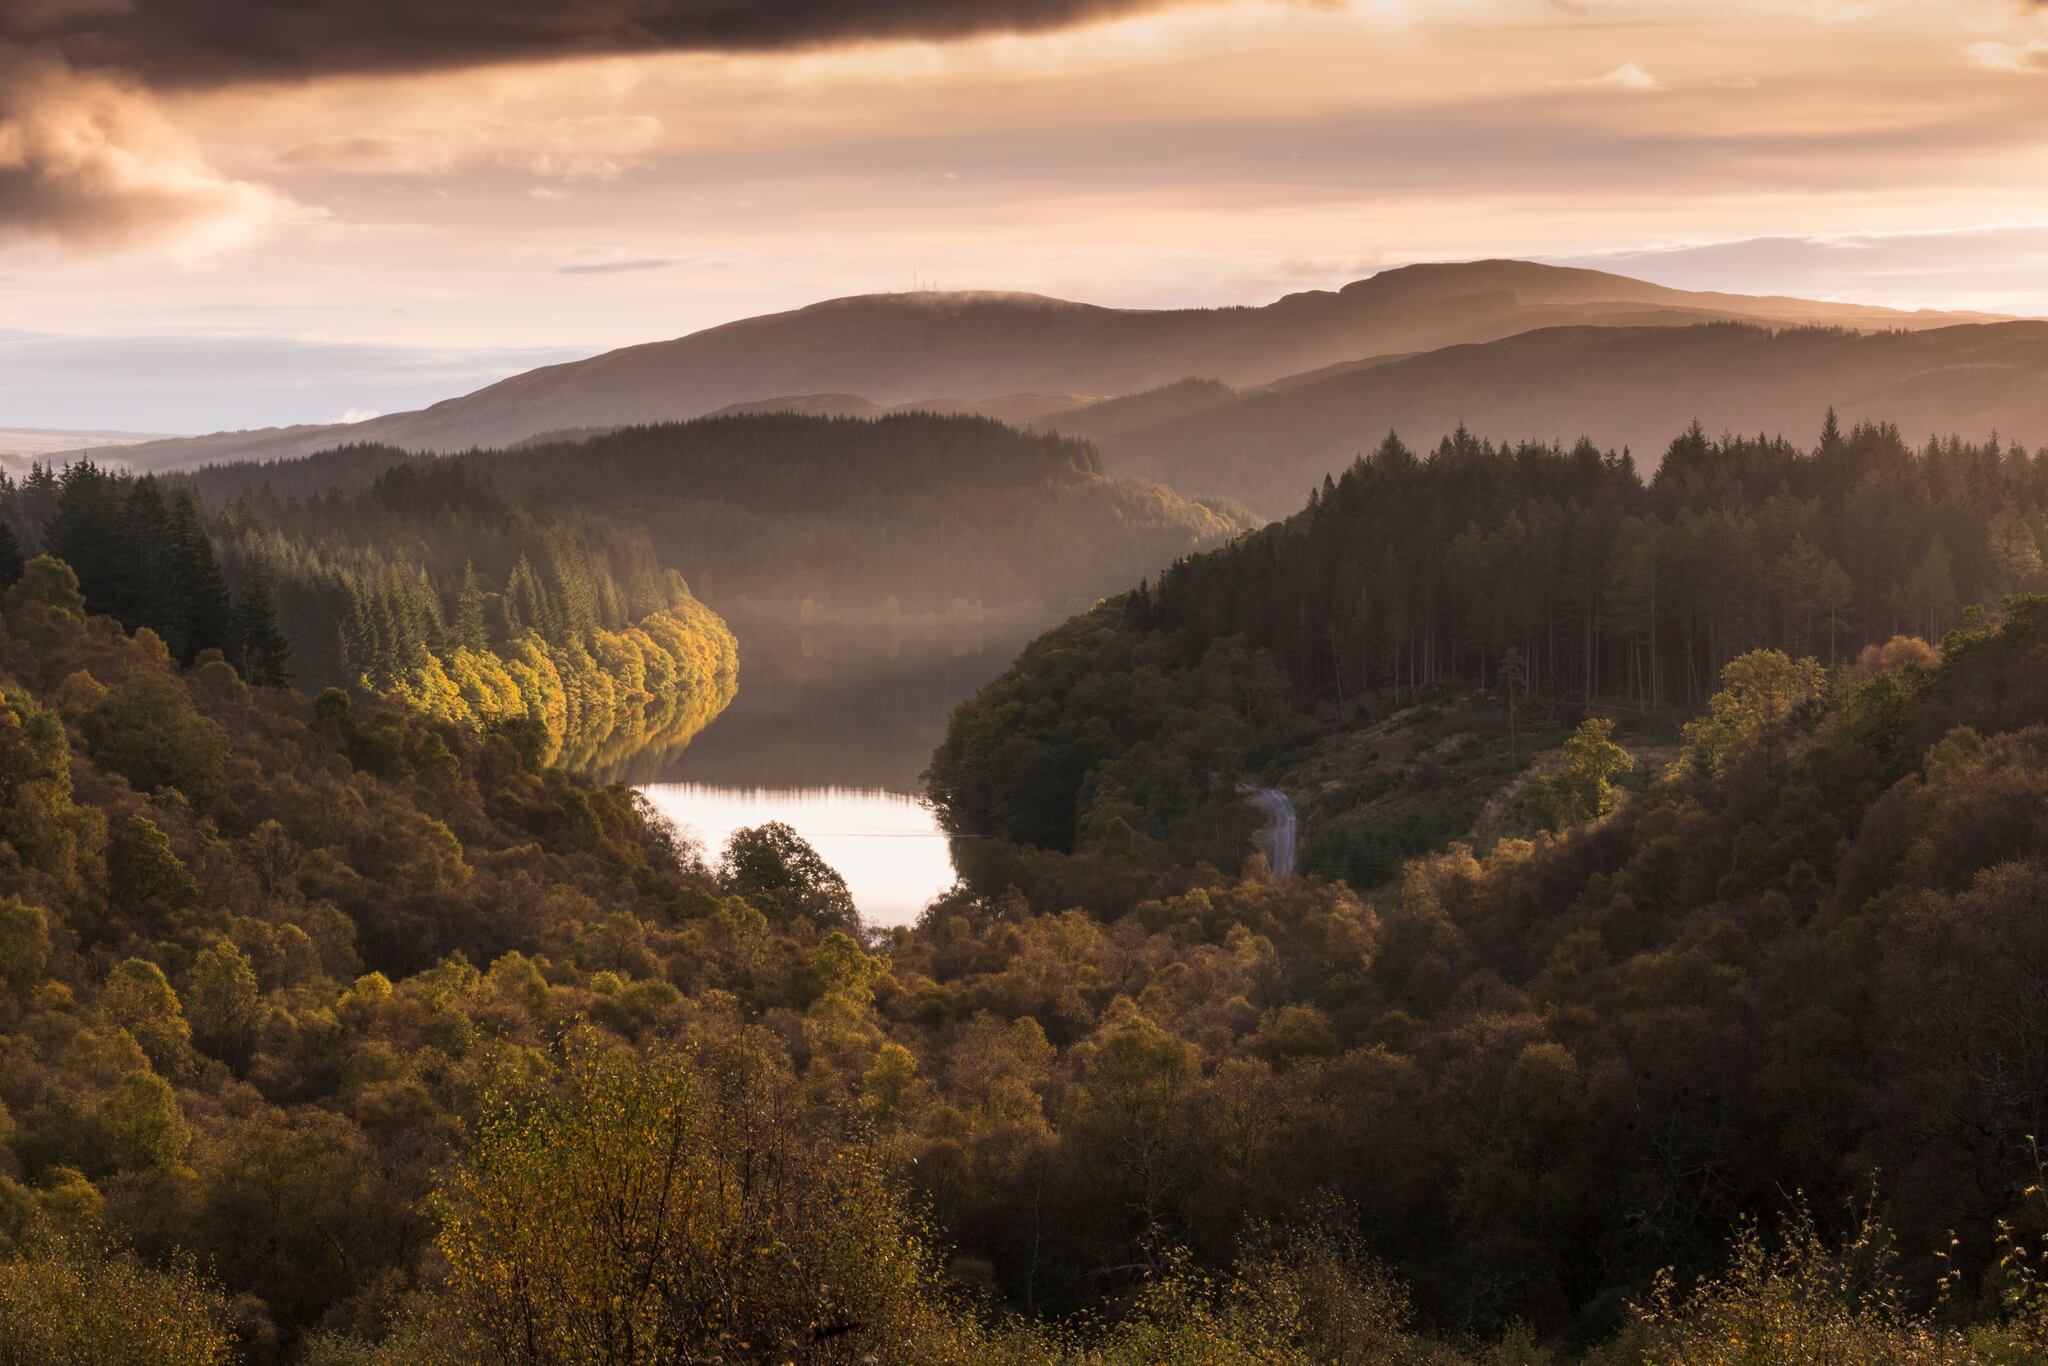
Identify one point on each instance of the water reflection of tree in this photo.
(836, 707)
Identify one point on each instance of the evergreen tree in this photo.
(202, 613)
(11, 562)
(143, 588)
(472, 630)
(260, 648)
(85, 530)
(1928, 597)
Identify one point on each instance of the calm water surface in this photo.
(828, 734)
(887, 846)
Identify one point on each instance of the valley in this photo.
(1034, 865)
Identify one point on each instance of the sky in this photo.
(219, 214)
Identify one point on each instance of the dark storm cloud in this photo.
(206, 42)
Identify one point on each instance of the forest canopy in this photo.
(333, 1031)
(1416, 576)
(914, 512)
(427, 587)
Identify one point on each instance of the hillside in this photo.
(964, 348)
(1123, 733)
(449, 1029)
(785, 514)
(1621, 387)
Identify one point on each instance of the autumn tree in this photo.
(68, 1301)
(649, 1209)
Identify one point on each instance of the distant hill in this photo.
(1632, 387)
(789, 515)
(892, 350)
(21, 445)
(1016, 409)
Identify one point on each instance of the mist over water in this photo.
(829, 734)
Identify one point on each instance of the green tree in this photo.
(202, 613)
(1837, 591)
(52, 583)
(1761, 693)
(85, 531)
(144, 873)
(472, 627)
(1583, 787)
(1928, 596)
(11, 562)
(773, 864)
(143, 1119)
(222, 1003)
(149, 731)
(2015, 554)
(260, 649)
(24, 944)
(1514, 676)
(138, 997)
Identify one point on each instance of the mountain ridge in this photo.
(893, 350)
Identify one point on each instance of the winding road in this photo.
(1278, 838)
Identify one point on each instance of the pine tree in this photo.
(1928, 596)
(11, 561)
(84, 531)
(472, 630)
(260, 648)
(142, 589)
(203, 613)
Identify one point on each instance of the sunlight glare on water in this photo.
(887, 846)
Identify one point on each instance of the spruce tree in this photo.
(204, 614)
(84, 531)
(472, 631)
(141, 587)
(11, 562)
(260, 648)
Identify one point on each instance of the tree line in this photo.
(1413, 571)
(143, 556)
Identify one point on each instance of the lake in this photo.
(829, 734)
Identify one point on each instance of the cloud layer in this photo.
(208, 42)
(87, 161)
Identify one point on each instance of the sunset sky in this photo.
(226, 213)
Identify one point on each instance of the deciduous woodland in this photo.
(335, 1029)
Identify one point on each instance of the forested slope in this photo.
(913, 512)
(1414, 576)
(401, 1040)
(424, 585)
